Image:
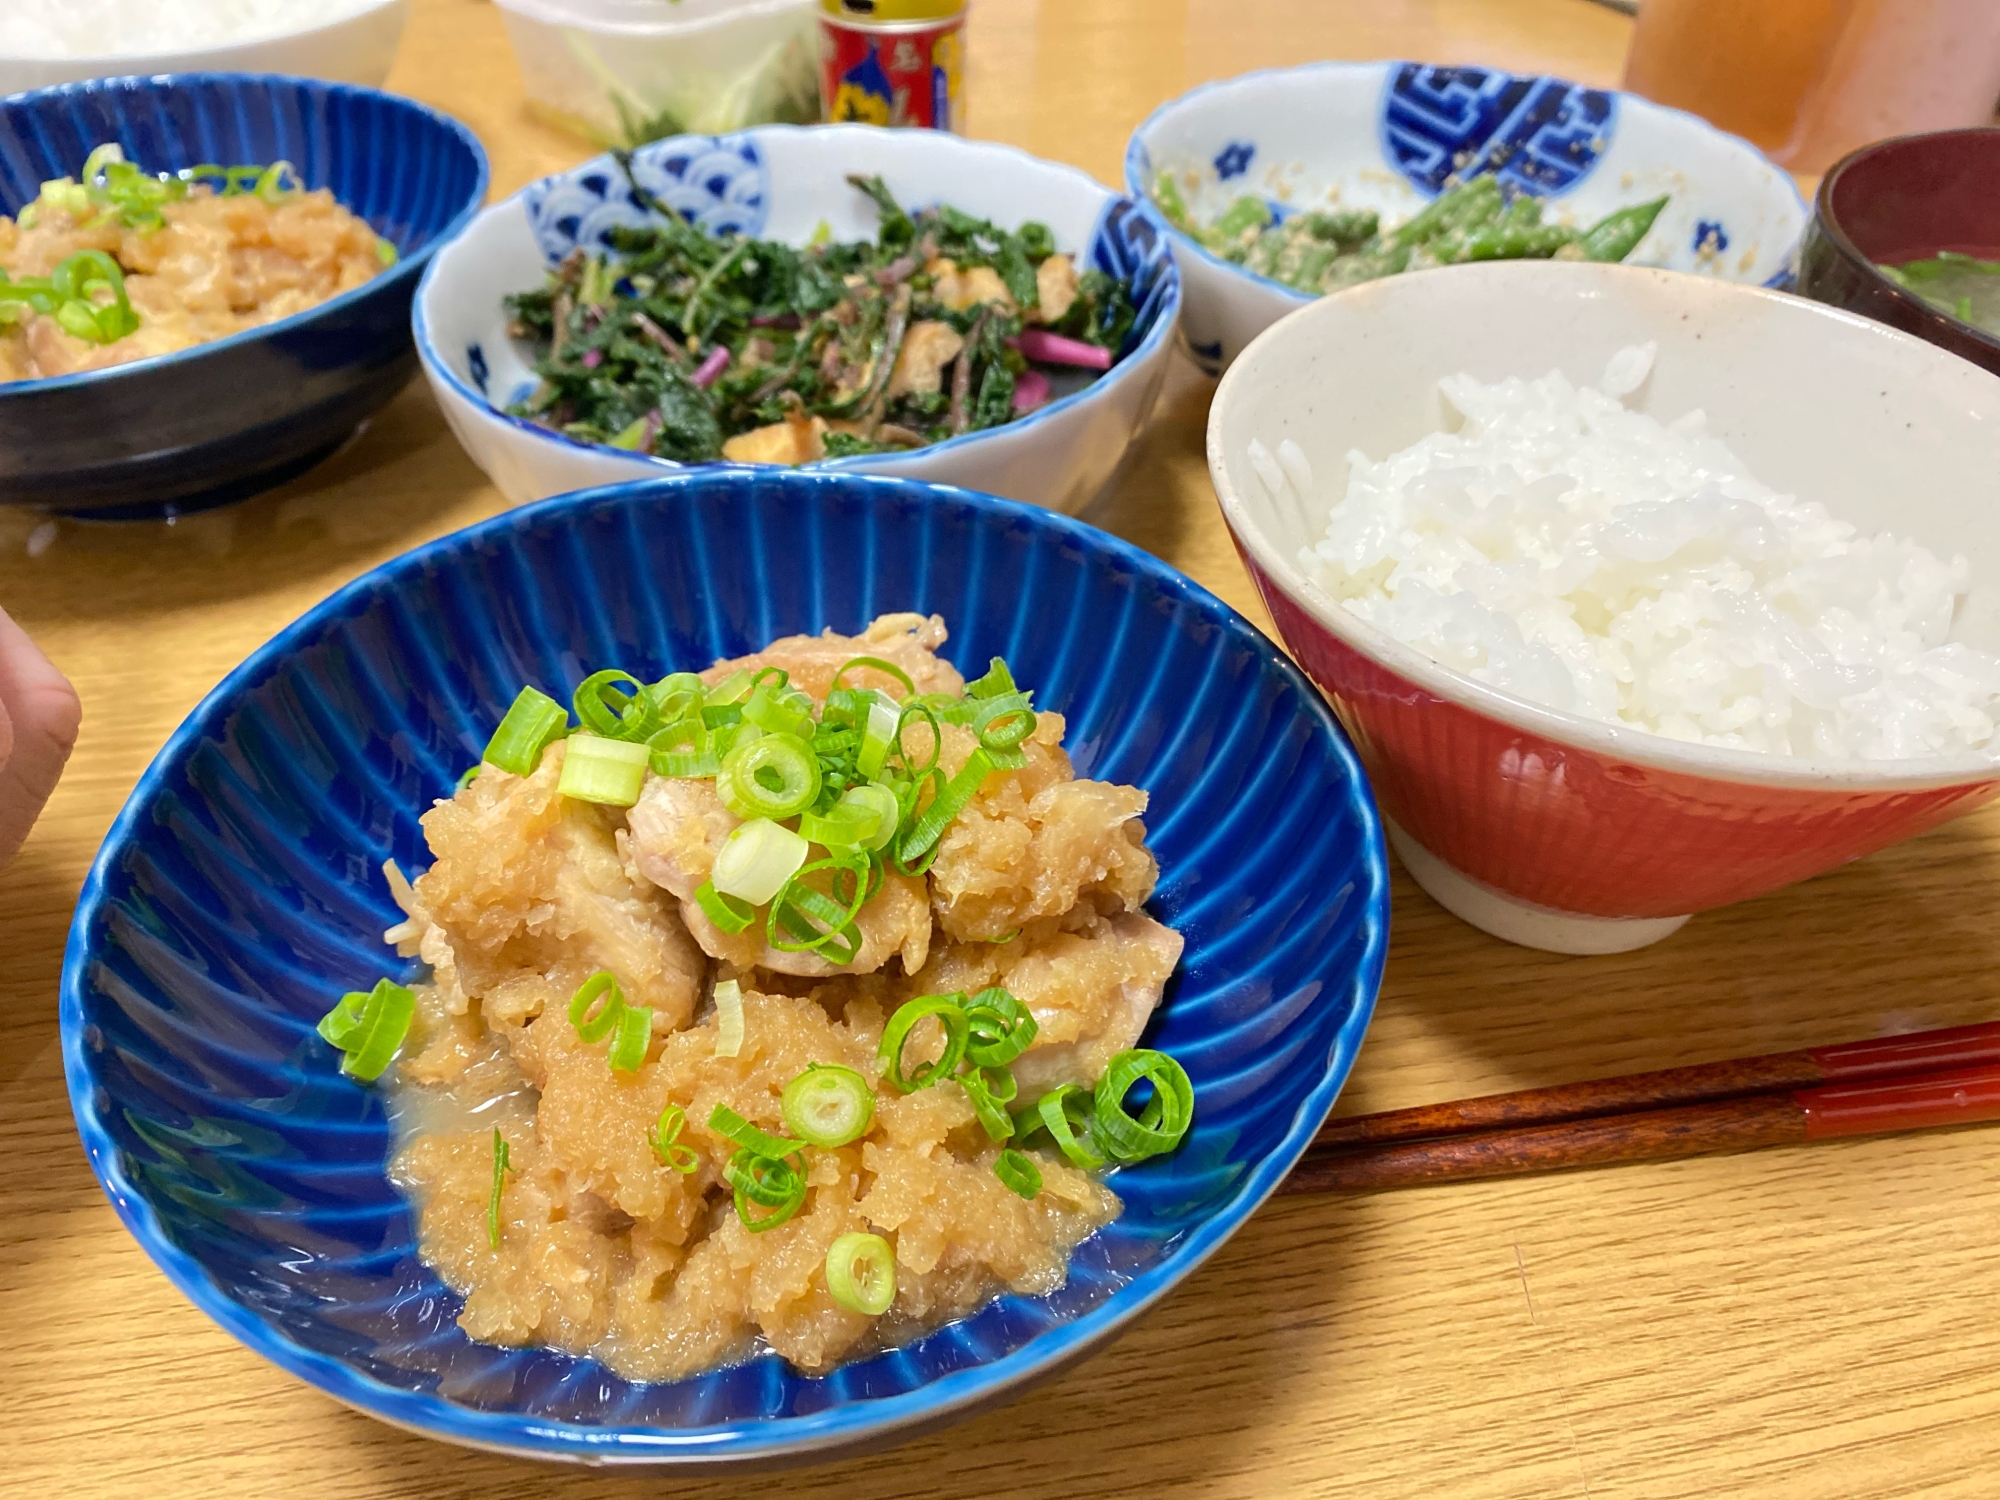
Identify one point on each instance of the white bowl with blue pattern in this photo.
(782, 182)
(1388, 136)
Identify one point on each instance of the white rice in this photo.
(1574, 553)
(138, 28)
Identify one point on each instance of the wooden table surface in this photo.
(1817, 1322)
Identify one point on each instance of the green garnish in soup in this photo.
(1963, 285)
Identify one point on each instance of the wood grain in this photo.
(1792, 1325)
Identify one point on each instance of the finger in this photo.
(42, 713)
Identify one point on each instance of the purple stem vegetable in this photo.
(711, 367)
(1054, 349)
(1031, 390)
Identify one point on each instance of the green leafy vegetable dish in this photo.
(695, 348)
(1322, 250)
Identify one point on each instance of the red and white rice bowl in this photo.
(1546, 827)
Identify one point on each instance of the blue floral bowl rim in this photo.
(1162, 329)
(769, 1439)
(405, 268)
(1135, 150)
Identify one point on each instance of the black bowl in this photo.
(1899, 200)
(224, 420)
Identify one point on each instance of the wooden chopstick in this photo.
(1886, 1098)
(1848, 1062)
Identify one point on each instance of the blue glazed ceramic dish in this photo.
(782, 182)
(1389, 136)
(238, 892)
(227, 419)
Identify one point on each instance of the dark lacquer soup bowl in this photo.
(1900, 200)
(237, 894)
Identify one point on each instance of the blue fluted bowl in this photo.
(227, 419)
(238, 892)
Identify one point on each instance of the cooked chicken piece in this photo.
(959, 289)
(798, 439)
(908, 641)
(1090, 991)
(920, 366)
(1035, 842)
(529, 890)
(1056, 288)
(673, 834)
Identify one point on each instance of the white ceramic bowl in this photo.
(1544, 827)
(614, 70)
(356, 48)
(781, 182)
(1387, 135)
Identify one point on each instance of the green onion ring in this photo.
(1002, 1028)
(664, 1137)
(861, 1273)
(888, 668)
(1069, 1116)
(998, 680)
(733, 1128)
(601, 985)
(828, 1105)
(726, 912)
(947, 1009)
(784, 759)
(770, 1183)
(1018, 1172)
(924, 834)
(604, 710)
(369, 1029)
(816, 922)
(988, 1101)
(634, 1035)
(533, 723)
(910, 713)
(1160, 1126)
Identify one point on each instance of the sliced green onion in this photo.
(1018, 1172)
(879, 735)
(1002, 1028)
(532, 724)
(501, 1167)
(923, 835)
(635, 1034)
(469, 775)
(608, 771)
(1068, 1115)
(603, 709)
(1158, 1128)
(874, 797)
(813, 921)
(733, 689)
(888, 668)
(386, 251)
(769, 1182)
(728, 1018)
(678, 695)
(772, 776)
(779, 710)
(998, 680)
(756, 860)
(600, 986)
(861, 1273)
(990, 1094)
(732, 1127)
(839, 827)
(1003, 723)
(946, 1008)
(271, 183)
(828, 1105)
(910, 714)
(370, 1028)
(664, 1137)
(726, 912)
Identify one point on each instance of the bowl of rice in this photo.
(1640, 593)
(46, 42)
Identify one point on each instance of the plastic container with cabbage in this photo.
(619, 72)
